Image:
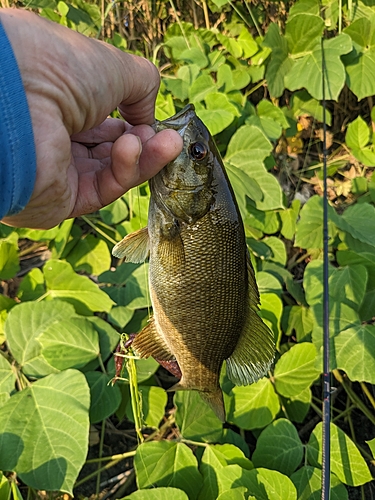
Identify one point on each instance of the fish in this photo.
(204, 296)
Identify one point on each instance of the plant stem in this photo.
(101, 444)
(99, 231)
(368, 394)
(353, 396)
(206, 17)
(113, 458)
(105, 467)
(179, 23)
(253, 18)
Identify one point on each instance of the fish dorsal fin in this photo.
(255, 349)
(135, 247)
(150, 343)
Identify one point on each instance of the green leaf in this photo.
(355, 353)
(248, 138)
(7, 376)
(115, 212)
(201, 87)
(195, 419)
(297, 407)
(268, 283)
(166, 463)
(271, 309)
(295, 370)
(254, 406)
(357, 134)
(278, 251)
(279, 447)
(371, 445)
(289, 220)
(25, 324)
(70, 343)
(303, 31)
(158, 494)
(299, 321)
(279, 64)
(9, 260)
(216, 120)
(244, 186)
(145, 368)
(346, 461)
(105, 398)
(303, 104)
(360, 63)
(215, 458)
(32, 286)
(194, 55)
(264, 484)
(44, 431)
(308, 481)
(153, 401)
(309, 232)
(90, 255)
(232, 46)
(359, 221)
(62, 282)
(307, 71)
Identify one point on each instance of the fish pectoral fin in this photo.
(255, 349)
(135, 247)
(171, 252)
(150, 343)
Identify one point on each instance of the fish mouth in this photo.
(178, 122)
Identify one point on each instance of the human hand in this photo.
(84, 160)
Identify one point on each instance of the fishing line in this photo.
(326, 436)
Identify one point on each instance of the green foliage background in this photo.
(254, 74)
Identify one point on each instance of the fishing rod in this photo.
(326, 435)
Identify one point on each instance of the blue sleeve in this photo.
(17, 148)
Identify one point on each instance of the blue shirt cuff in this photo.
(17, 148)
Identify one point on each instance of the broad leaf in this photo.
(153, 401)
(360, 63)
(62, 282)
(303, 31)
(355, 353)
(105, 398)
(309, 233)
(253, 406)
(7, 376)
(195, 419)
(90, 255)
(9, 260)
(307, 71)
(46, 456)
(359, 221)
(279, 447)
(167, 463)
(308, 481)
(279, 64)
(346, 461)
(295, 370)
(158, 494)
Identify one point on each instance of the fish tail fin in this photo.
(215, 400)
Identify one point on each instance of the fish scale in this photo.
(202, 285)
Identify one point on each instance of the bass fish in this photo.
(202, 284)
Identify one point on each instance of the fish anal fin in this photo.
(255, 349)
(135, 247)
(150, 343)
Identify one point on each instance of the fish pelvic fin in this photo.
(150, 343)
(215, 401)
(135, 247)
(255, 349)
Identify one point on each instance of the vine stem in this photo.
(353, 396)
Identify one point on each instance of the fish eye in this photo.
(198, 151)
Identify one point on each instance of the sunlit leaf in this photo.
(167, 463)
(295, 370)
(254, 406)
(43, 455)
(308, 481)
(346, 461)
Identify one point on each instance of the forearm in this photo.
(17, 149)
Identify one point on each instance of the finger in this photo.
(132, 163)
(107, 131)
